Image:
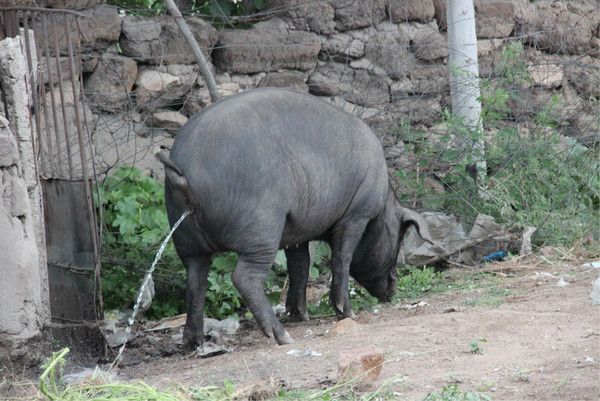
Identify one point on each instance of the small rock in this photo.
(562, 282)
(595, 293)
(543, 275)
(591, 265)
(279, 310)
(344, 326)
(303, 352)
(362, 364)
(414, 305)
(216, 328)
(167, 120)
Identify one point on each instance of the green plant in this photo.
(413, 282)
(452, 392)
(135, 222)
(475, 348)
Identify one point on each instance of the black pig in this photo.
(274, 168)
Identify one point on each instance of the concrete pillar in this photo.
(24, 302)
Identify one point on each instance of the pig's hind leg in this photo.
(249, 278)
(197, 277)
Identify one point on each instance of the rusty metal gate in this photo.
(64, 157)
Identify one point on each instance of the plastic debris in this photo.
(495, 256)
(562, 282)
(209, 349)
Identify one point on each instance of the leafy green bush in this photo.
(135, 223)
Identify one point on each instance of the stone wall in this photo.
(384, 60)
(24, 285)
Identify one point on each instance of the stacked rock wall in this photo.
(384, 60)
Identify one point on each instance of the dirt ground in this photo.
(538, 341)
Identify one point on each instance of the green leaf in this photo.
(220, 8)
(259, 4)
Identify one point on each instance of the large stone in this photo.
(117, 144)
(583, 73)
(315, 16)
(199, 98)
(357, 86)
(423, 79)
(547, 75)
(352, 14)
(285, 79)
(552, 27)
(415, 110)
(340, 47)
(158, 40)
(109, 86)
(161, 86)
(410, 10)
(389, 49)
(494, 19)
(100, 27)
(361, 112)
(429, 44)
(440, 13)
(266, 48)
(170, 121)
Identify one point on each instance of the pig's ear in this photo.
(410, 217)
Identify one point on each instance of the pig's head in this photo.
(374, 264)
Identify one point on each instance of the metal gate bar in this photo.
(62, 184)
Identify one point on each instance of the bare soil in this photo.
(538, 341)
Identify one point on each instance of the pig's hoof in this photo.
(298, 317)
(284, 338)
(191, 342)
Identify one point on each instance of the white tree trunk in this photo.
(464, 76)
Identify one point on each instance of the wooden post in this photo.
(200, 59)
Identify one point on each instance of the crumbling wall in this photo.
(24, 305)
